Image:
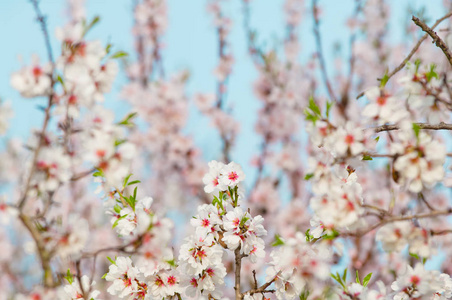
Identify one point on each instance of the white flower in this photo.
(394, 236)
(33, 81)
(124, 278)
(73, 291)
(212, 179)
(231, 175)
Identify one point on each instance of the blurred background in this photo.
(190, 43)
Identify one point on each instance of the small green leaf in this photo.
(117, 221)
(111, 260)
(416, 129)
(91, 25)
(105, 275)
(308, 176)
(313, 106)
(119, 142)
(367, 157)
(119, 54)
(384, 80)
(69, 277)
(243, 221)
(417, 63)
(108, 48)
(98, 173)
(431, 73)
(126, 180)
(367, 279)
(344, 276)
(172, 263)
(127, 119)
(60, 80)
(308, 235)
(329, 105)
(377, 139)
(117, 208)
(414, 255)
(278, 241)
(134, 182)
(357, 277)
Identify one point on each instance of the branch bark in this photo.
(436, 39)
(440, 126)
(401, 218)
(238, 267)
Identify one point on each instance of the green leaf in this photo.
(111, 260)
(313, 106)
(105, 275)
(414, 255)
(344, 276)
(127, 119)
(431, 73)
(126, 180)
(135, 193)
(117, 208)
(243, 221)
(69, 277)
(367, 157)
(357, 277)
(384, 80)
(108, 48)
(98, 173)
(171, 262)
(60, 80)
(329, 105)
(308, 235)
(367, 279)
(134, 182)
(416, 129)
(117, 221)
(91, 24)
(417, 63)
(278, 241)
(377, 139)
(310, 117)
(308, 176)
(119, 54)
(119, 142)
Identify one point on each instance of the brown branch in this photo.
(42, 20)
(44, 255)
(429, 206)
(400, 218)
(238, 266)
(412, 52)
(436, 39)
(440, 126)
(441, 232)
(263, 288)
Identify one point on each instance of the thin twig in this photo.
(238, 266)
(440, 126)
(401, 218)
(436, 39)
(412, 52)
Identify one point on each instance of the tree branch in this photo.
(412, 52)
(401, 218)
(440, 126)
(238, 266)
(436, 39)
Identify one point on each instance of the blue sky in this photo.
(190, 44)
